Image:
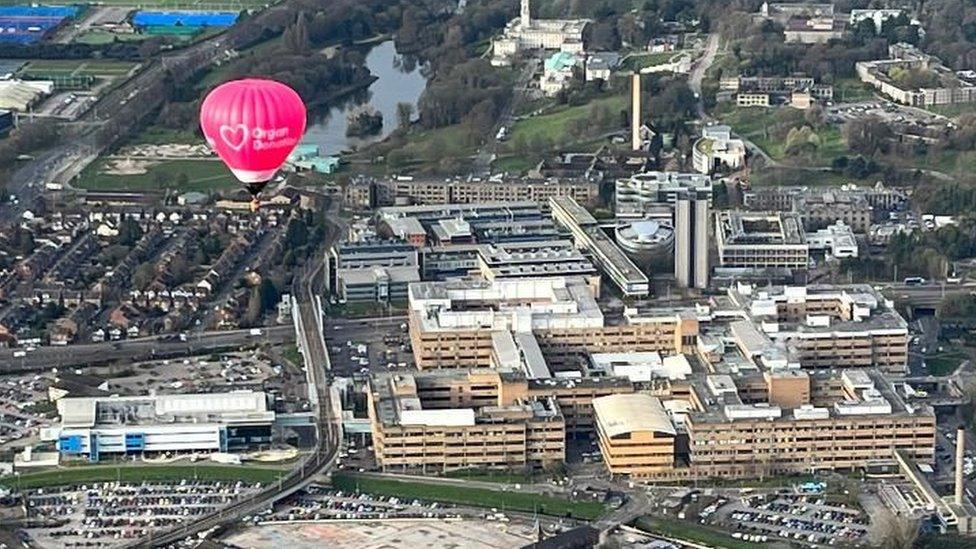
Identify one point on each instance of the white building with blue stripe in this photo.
(219, 422)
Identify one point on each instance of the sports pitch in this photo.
(207, 5)
(76, 67)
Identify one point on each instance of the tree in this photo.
(814, 116)
(182, 180)
(269, 294)
(297, 235)
(899, 532)
(295, 38)
(25, 241)
(129, 232)
(179, 269)
(481, 118)
(404, 113)
(802, 141)
(143, 275)
(252, 315)
(867, 135)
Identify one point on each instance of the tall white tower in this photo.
(636, 143)
(526, 17)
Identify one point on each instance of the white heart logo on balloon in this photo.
(234, 136)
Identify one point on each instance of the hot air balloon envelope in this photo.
(253, 125)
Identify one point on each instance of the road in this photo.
(308, 330)
(695, 77)
(130, 99)
(698, 71)
(143, 348)
(481, 164)
(926, 295)
(308, 327)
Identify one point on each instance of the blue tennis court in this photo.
(28, 24)
(146, 18)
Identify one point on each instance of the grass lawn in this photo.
(100, 37)
(832, 145)
(953, 111)
(77, 67)
(638, 61)
(204, 175)
(139, 473)
(689, 531)
(755, 124)
(478, 497)
(419, 150)
(748, 121)
(948, 161)
(490, 476)
(513, 163)
(154, 135)
(293, 355)
(850, 90)
(552, 126)
(944, 363)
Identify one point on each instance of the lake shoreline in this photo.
(394, 78)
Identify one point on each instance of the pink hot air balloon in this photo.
(253, 125)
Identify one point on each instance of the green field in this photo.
(478, 497)
(139, 473)
(513, 163)
(100, 37)
(202, 175)
(552, 126)
(155, 135)
(293, 355)
(490, 476)
(756, 124)
(850, 90)
(944, 363)
(953, 111)
(689, 531)
(76, 67)
(637, 62)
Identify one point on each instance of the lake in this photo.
(399, 80)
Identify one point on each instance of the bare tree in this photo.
(899, 532)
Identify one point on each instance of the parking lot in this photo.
(207, 373)
(252, 370)
(24, 407)
(320, 502)
(359, 347)
(803, 518)
(886, 110)
(104, 514)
